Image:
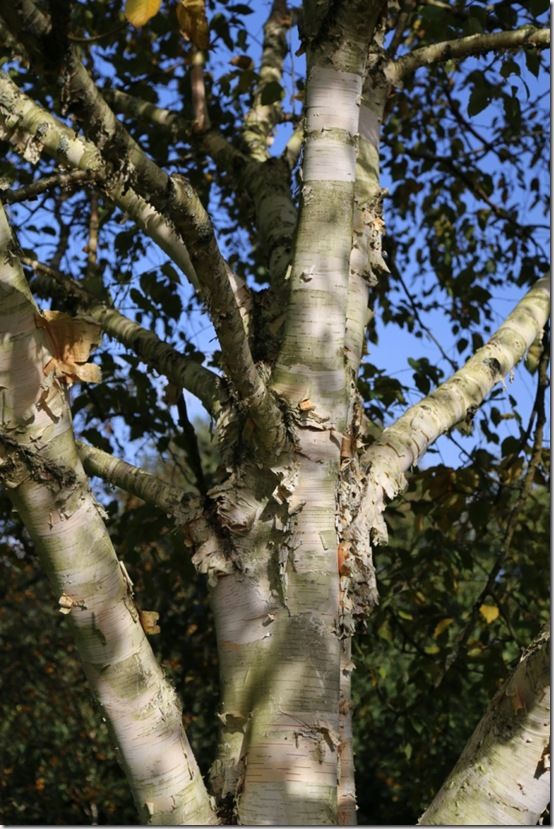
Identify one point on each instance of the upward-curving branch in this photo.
(463, 47)
(400, 446)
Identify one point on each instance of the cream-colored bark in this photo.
(503, 775)
(292, 743)
(41, 470)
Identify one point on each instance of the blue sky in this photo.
(395, 345)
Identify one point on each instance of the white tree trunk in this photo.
(41, 470)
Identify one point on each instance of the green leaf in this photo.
(240, 8)
(509, 67)
(533, 61)
(479, 100)
(272, 93)
(537, 7)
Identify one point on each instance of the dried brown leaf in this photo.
(72, 339)
(193, 22)
(148, 621)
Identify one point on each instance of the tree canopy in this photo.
(152, 169)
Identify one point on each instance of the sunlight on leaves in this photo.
(139, 12)
(489, 612)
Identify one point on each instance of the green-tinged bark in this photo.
(366, 263)
(463, 47)
(172, 196)
(40, 468)
(286, 750)
(30, 129)
(266, 181)
(188, 512)
(503, 775)
(137, 481)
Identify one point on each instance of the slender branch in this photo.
(189, 512)
(180, 370)
(191, 445)
(262, 118)
(267, 183)
(173, 197)
(472, 185)
(401, 445)
(170, 499)
(201, 121)
(67, 182)
(404, 15)
(463, 47)
(96, 38)
(226, 156)
(92, 242)
(293, 147)
(31, 129)
(395, 270)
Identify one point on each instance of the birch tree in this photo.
(285, 254)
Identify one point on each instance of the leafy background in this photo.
(465, 150)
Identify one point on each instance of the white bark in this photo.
(44, 478)
(503, 775)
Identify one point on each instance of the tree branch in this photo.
(173, 197)
(170, 499)
(401, 445)
(212, 555)
(463, 47)
(226, 156)
(67, 182)
(31, 129)
(502, 777)
(267, 183)
(47, 485)
(180, 370)
(261, 120)
(505, 543)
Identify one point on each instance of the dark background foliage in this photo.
(463, 581)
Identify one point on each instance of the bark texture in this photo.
(40, 467)
(503, 775)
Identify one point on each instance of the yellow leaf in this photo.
(441, 626)
(139, 12)
(193, 23)
(432, 649)
(489, 612)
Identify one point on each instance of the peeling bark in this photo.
(401, 445)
